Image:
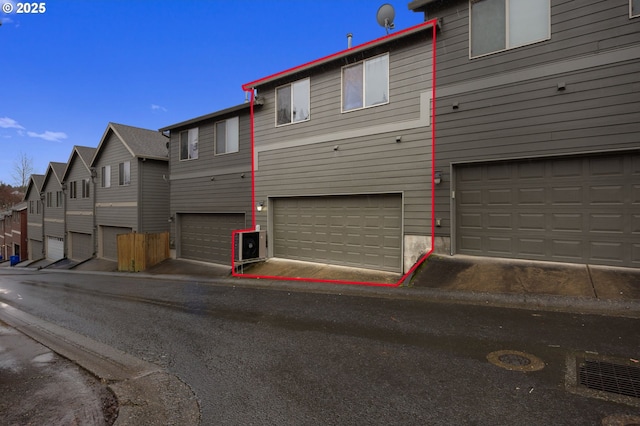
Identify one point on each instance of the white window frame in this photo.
(124, 173)
(232, 133)
(508, 45)
(634, 12)
(105, 179)
(301, 86)
(192, 136)
(364, 84)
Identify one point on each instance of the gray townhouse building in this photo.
(538, 129)
(79, 212)
(53, 211)
(210, 183)
(132, 185)
(343, 149)
(35, 217)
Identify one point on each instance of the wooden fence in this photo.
(137, 252)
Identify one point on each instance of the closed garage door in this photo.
(207, 237)
(580, 209)
(35, 249)
(109, 243)
(80, 246)
(360, 230)
(55, 248)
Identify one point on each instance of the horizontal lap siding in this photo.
(363, 164)
(154, 187)
(222, 183)
(79, 215)
(529, 118)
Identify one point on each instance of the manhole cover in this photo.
(515, 360)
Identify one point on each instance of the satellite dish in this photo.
(385, 16)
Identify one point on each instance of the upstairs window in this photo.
(105, 179)
(85, 188)
(189, 144)
(227, 134)
(634, 8)
(49, 199)
(32, 209)
(292, 102)
(73, 193)
(365, 84)
(59, 198)
(498, 25)
(124, 173)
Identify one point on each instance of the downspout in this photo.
(65, 239)
(140, 163)
(94, 239)
(42, 198)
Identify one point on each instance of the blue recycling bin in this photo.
(14, 260)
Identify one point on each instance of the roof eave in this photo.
(210, 116)
(344, 53)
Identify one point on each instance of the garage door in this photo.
(109, 243)
(80, 246)
(580, 209)
(361, 230)
(55, 248)
(207, 237)
(35, 249)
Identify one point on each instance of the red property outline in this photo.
(249, 87)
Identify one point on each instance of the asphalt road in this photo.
(273, 356)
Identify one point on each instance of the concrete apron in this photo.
(146, 394)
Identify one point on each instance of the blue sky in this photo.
(67, 72)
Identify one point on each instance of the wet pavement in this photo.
(40, 386)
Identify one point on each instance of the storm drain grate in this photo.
(609, 377)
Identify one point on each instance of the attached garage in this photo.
(207, 236)
(55, 248)
(352, 230)
(582, 209)
(35, 249)
(80, 246)
(109, 240)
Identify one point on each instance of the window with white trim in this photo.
(124, 173)
(227, 136)
(105, 179)
(59, 198)
(189, 144)
(497, 25)
(292, 102)
(366, 83)
(634, 8)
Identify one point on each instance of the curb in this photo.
(146, 393)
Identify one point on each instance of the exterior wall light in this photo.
(260, 206)
(437, 177)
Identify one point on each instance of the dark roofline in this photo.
(344, 53)
(220, 113)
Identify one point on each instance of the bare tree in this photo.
(22, 170)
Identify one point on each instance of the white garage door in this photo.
(356, 230)
(55, 248)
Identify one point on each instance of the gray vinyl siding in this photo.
(34, 220)
(509, 105)
(79, 211)
(109, 208)
(154, 196)
(211, 183)
(368, 162)
(53, 216)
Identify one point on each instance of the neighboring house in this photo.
(4, 216)
(538, 129)
(210, 175)
(132, 187)
(35, 218)
(53, 212)
(19, 230)
(79, 214)
(343, 155)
